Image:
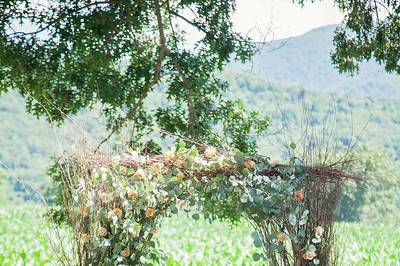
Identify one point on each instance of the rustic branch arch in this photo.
(115, 203)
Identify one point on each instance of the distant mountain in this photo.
(305, 61)
(370, 121)
(27, 143)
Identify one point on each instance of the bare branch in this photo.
(194, 24)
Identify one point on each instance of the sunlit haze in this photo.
(267, 20)
(285, 17)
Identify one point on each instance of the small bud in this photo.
(298, 196)
(159, 167)
(309, 255)
(140, 174)
(84, 211)
(319, 231)
(180, 176)
(124, 253)
(153, 231)
(133, 196)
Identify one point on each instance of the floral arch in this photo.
(116, 203)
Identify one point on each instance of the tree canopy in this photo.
(63, 56)
(370, 30)
(78, 53)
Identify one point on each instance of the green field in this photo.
(24, 241)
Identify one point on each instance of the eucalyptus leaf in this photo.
(256, 239)
(312, 248)
(244, 198)
(292, 219)
(293, 146)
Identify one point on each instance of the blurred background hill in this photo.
(305, 61)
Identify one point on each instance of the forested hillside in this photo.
(25, 147)
(305, 61)
(366, 120)
(26, 143)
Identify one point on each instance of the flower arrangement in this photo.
(116, 204)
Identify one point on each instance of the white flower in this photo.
(169, 154)
(316, 240)
(200, 161)
(134, 155)
(210, 152)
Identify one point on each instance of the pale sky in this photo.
(287, 18)
(283, 16)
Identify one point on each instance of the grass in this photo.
(23, 238)
(188, 242)
(373, 244)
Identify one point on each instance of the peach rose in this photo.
(85, 238)
(309, 255)
(281, 237)
(298, 196)
(124, 253)
(149, 212)
(249, 164)
(117, 212)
